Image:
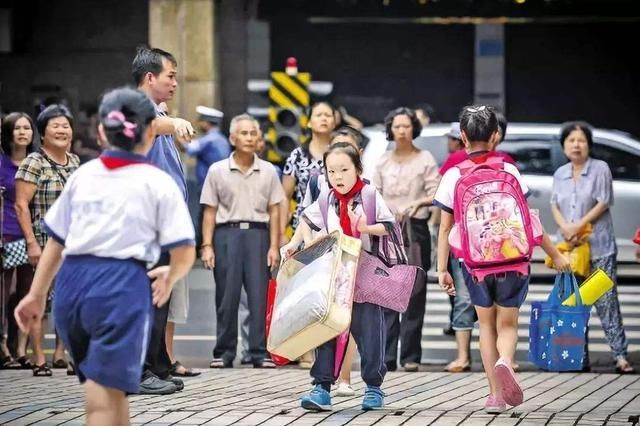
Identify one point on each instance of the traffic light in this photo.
(289, 97)
(289, 102)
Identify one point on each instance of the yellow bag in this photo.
(579, 256)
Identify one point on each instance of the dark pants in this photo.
(367, 328)
(23, 276)
(241, 259)
(408, 327)
(157, 360)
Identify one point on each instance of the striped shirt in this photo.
(49, 178)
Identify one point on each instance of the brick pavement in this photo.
(245, 396)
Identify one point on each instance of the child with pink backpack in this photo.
(487, 224)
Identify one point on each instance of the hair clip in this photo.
(129, 127)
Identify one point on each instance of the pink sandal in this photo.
(511, 390)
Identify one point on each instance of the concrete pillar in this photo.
(186, 29)
(489, 65)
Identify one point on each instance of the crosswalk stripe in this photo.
(526, 308)
(594, 333)
(539, 297)
(524, 319)
(438, 309)
(522, 346)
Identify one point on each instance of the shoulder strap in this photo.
(313, 187)
(323, 201)
(55, 166)
(369, 203)
(465, 167)
(468, 166)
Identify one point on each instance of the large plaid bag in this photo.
(14, 254)
(557, 332)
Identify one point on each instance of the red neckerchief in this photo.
(114, 160)
(345, 222)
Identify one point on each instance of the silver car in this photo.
(538, 154)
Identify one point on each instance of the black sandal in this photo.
(188, 372)
(25, 363)
(71, 369)
(59, 363)
(8, 363)
(42, 371)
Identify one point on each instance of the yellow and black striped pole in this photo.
(289, 100)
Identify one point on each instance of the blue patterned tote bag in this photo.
(556, 332)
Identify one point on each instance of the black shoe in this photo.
(246, 360)
(448, 331)
(153, 385)
(178, 382)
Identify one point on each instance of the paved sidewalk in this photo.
(270, 397)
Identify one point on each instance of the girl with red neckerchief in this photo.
(343, 168)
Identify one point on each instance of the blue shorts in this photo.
(508, 291)
(102, 312)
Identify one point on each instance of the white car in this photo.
(538, 154)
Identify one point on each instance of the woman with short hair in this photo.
(407, 178)
(582, 194)
(39, 181)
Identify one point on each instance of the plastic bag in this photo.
(314, 296)
(579, 255)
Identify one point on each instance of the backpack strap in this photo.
(369, 203)
(314, 188)
(465, 167)
(323, 201)
(468, 166)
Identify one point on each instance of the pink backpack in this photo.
(494, 230)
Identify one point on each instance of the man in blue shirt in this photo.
(154, 72)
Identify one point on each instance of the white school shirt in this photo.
(313, 217)
(132, 210)
(446, 189)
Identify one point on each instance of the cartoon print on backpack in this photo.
(502, 236)
(492, 214)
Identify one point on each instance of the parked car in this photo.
(538, 154)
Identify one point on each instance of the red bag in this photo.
(636, 238)
(271, 297)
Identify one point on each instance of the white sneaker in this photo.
(344, 389)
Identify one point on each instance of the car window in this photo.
(531, 156)
(624, 165)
